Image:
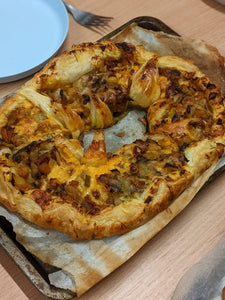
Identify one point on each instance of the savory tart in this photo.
(49, 179)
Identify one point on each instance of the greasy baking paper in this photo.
(84, 263)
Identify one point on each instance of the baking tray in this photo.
(36, 271)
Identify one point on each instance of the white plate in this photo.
(31, 32)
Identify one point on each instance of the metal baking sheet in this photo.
(35, 270)
(149, 23)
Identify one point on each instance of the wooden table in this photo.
(155, 270)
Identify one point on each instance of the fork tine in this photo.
(98, 29)
(96, 23)
(98, 20)
(103, 17)
(88, 19)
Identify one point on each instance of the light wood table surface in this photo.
(155, 270)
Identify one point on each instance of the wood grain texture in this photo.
(155, 270)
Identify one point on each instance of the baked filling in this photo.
(48, 177)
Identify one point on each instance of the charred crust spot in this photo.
(182, 172)
(162, 104)
(210, 86)
(212, 95)
(143, 76)
(170, 165)
(115, 189)
(219, 122)
(17, 158)
(148, 199)
(86, 99)
(72, 51)
(175, 74)
(122, 45)
(188, 109)
(13, 180)
(175, 117)
(193, 124)
(183, 147)
(128, 49)
(103, 48)
(168, 178)
(7, 155)
(185, 158)
(37, 176)
(115, 171)
(152, 141)
(161, 71)
(64, 100)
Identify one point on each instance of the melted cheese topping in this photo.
(87, 89)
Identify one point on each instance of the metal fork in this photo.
(88, 19)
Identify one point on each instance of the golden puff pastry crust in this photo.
(49, 179)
